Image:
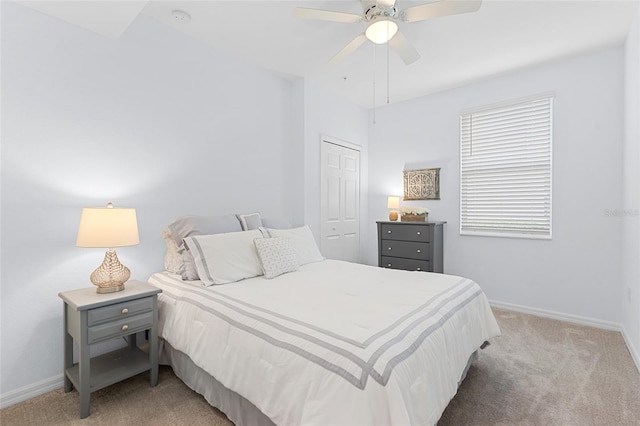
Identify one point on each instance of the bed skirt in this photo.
(237, 408)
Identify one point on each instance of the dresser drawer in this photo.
(405, 232)
(405, 264)
(120, 310)
(408, 249)
(121, 327)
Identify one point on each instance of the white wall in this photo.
(325, 114)
(155, 121)
(579, 271)
(631, 185)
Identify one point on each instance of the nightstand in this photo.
(91, 318)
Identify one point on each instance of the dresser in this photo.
(412, 246)
(89, 318)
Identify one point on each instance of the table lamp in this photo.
(393, 203)
(108, 227)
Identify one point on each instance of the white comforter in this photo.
(333, 343)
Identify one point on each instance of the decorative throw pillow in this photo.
(250, 221)
(276, 256)
(172, 259)
(302, 243)
(225, 258)
(186, 226)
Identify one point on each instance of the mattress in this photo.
(332, 343)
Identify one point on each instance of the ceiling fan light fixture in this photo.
(381, 31)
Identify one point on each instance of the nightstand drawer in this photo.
(122, 327)
(405, 232)
(406, 249)
(120, 310)
(405, 264)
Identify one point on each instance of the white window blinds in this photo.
(505, 169)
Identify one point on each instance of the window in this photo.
(505, 169)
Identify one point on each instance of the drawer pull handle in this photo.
(418, 232)
(389, 248)
(125, 327)
(125, 311)
(419, 251)
(388, 232)
(388, 265)
(418, 269)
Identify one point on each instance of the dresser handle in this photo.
(389, 248)
(419, 251)
(418, 269)
(125, 327)
(125, 311)
(418, 232)
(388, 265)
(388, 232)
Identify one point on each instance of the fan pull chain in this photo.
(387, 65)
(374, 83)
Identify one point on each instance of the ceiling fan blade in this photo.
(438, 9)
(404, 48)
(348, 49)
(326, 15)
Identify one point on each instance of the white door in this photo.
(340, 204)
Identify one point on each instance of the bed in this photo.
(323, 343)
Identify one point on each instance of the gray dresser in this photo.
(412, 246)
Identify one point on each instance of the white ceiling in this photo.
(502, 36)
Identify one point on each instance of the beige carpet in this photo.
(540, 372)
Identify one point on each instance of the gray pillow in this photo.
(250, 222)
(187, 226)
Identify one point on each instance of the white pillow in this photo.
(225, 258)
(276, 256)
(188, 226)
(302, 243)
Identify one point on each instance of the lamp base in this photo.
(393, 216)
(103, 290)
(111, 275)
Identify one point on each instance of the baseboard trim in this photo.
(632, 349)
(575, 319)
(31, 391)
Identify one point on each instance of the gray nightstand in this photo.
(90, 318)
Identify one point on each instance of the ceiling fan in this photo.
(382, 19)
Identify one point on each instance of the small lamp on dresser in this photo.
(393, 203)
(108, 227)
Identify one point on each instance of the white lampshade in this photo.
(393, 202)
(108, 227)
(381, 31)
